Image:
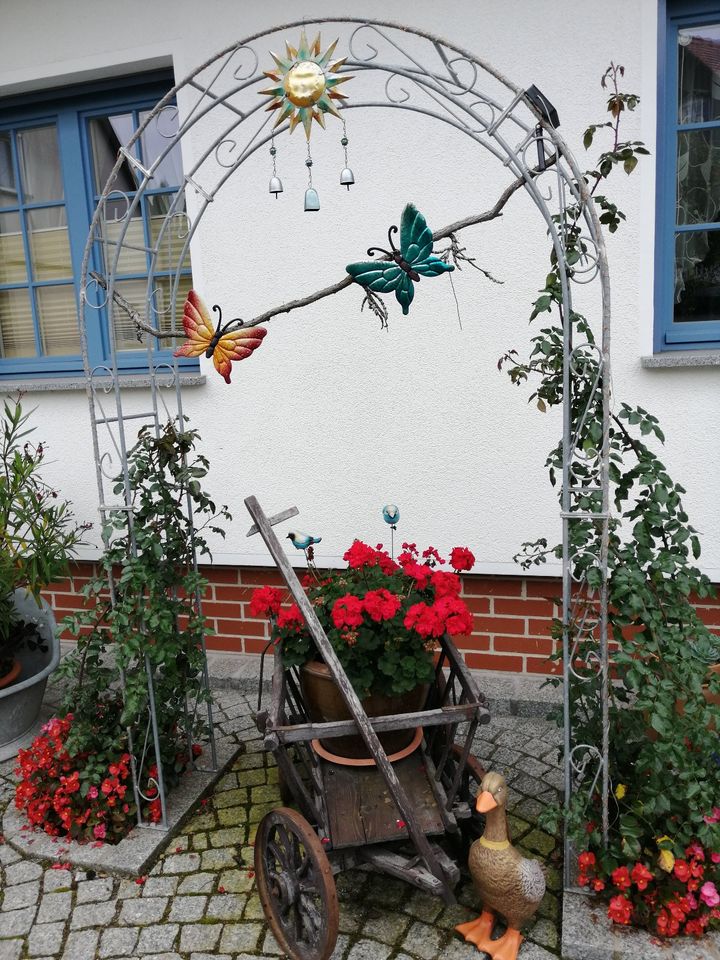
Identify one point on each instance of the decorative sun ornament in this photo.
(306, 84)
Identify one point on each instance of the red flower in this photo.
(621, 878)
(380, 604)
(347, 611)
(432, 555)
(445, 584)
(667, 926)
(676, 911)
(461, 559)
(420, 573)
(361, 555)
(290, 618)
(424, 620)
(682, 870)
(694, 928)
(598, 885)
(455, 615)
(586, 860)
(265, 601)
(620, 909)
(641, 876)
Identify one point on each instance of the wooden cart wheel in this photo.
(296, 886)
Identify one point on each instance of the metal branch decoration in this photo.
(225, 123)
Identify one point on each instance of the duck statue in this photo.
(508, 884)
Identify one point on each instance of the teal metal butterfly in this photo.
(401, 268)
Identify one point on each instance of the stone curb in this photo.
(587, 934)
(136, 853)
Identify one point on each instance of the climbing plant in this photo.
(663, 751)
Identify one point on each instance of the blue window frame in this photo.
(56, 151)
(687, 275)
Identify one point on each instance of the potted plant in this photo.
(383, 618)
(38, 536)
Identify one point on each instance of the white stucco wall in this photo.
(331, 413)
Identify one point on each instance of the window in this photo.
(55, 158)
(688, 183)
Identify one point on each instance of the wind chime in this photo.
(307, 84)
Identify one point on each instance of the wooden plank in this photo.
(400, 721)
(468, 681)
(348, 694)
(394, 864)
(277, 518)
(361, 808)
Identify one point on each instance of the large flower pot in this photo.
(324, 703)
(20, 702)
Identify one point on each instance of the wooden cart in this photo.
(389, 816)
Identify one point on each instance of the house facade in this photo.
(334, 413)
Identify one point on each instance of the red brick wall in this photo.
(513, 615)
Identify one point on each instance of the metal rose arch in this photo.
(225, 122)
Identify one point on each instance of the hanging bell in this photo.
(276, 186)
(347, 178)
(312, 200)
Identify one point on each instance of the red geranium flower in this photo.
(424, 620)
(419, 572)
(455, 616)
(265, 601)
(380, 604)
(290, 618)
(461, 559)
(445, 584)
(347, 611)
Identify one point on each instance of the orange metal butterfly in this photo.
(222, 344)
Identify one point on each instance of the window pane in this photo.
(699, 74)
(57, 314)
(39, 158)
(175, 234)
(107, 135)
(17, 338)
(160, 314)
(49, 244)
(698, 176)
(133, 257)
(12, 255)
(697, 276)
(156, 140)
(8, 188)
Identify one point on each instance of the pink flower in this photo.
(709, 895)
(92, 793)
(99, 833)
(715, 857)
(713, 817)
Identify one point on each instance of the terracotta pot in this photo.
(324, 702)
(11, 676)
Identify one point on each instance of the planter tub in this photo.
(20, 702)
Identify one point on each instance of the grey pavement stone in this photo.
(424, 906)
(387, 927)
(226, 906)
(146, 910)
(240, 936)
(55, 906)
(157, 938)
(118, 942)
(93, 915)
(160, 886)
(46, 938)
(182, 863)
(17, 923)
(91, 891)
(22, 872)
(21, 895)
(369, 950)
(187, 909)
(11, 949)
(197, 883)
(423, 940)
(197, 936)
(218, 859)
(81, 945)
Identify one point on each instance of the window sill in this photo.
(128, 381)
(680, 358)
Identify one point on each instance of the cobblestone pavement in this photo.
(199, 901)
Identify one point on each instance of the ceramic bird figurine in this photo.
(301, 541)
(507, 883)
(391, 514)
